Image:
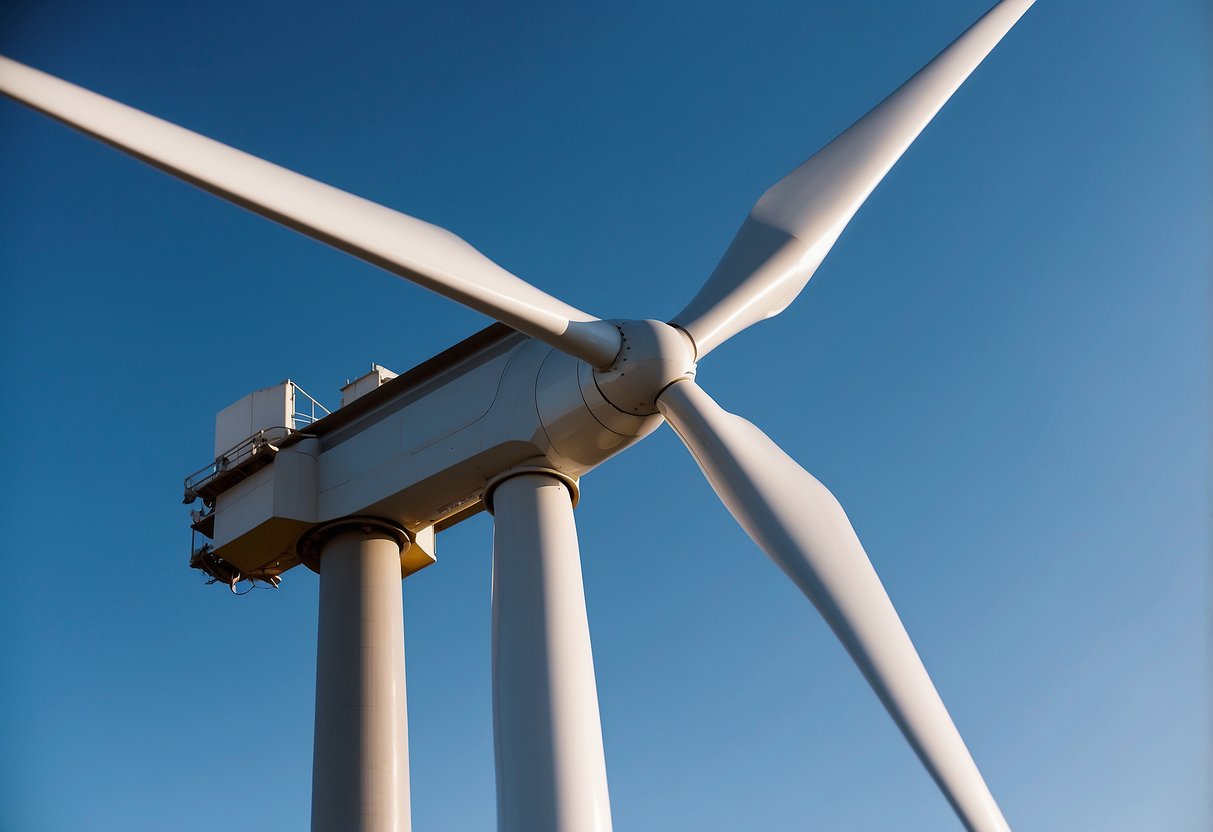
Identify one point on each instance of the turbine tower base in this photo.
(360, 768)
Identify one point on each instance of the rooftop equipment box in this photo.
(272, 407)
(364, 384)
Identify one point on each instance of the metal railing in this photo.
(304, 413)
(260, 442)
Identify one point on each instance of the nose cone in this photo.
(652, 356)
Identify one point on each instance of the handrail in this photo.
(234, 456)
(303, 418)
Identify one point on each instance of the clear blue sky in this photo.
(1002, 372)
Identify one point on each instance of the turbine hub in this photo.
(652, 356)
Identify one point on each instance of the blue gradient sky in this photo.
(1002, 372)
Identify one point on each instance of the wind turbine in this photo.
(509, 420)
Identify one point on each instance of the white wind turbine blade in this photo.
(794, 224)
(800, 525)
(411, 248)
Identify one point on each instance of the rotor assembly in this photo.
(652, 356)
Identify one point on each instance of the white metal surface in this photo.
(804, 530)
(274, 504)
(406, 246)
(360, 768)
(797, 221)
(551, 773)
